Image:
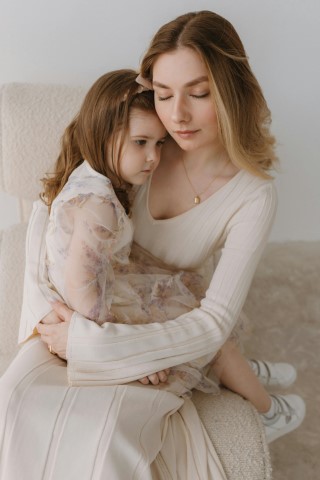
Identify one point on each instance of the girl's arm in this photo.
(87, 265)
(88, 273)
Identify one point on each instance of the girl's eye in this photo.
(161, 142)
(140, 142)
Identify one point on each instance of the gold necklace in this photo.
(196, 198)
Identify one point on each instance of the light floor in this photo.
(284, 306)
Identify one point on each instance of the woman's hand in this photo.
(51, 318)
(156, 378)
(54, 332)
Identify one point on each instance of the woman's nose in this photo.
(180, 112)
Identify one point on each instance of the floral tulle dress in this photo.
(94, 267)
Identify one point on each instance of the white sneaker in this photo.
(274, 374)
(289, 413)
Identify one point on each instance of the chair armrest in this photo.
(236, 431)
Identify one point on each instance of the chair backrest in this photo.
(33, 118)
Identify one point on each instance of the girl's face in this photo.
(142, 146)
(183, 100)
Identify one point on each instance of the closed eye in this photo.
(203, 95)
(163, 99)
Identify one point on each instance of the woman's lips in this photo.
(185, 133)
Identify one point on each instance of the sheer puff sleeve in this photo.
(84, 236)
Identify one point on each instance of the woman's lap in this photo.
(47, 426)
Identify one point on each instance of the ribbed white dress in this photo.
(83, 420)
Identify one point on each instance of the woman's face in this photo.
(183, 100)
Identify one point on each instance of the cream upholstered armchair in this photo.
(32, 120)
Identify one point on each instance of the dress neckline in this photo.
(198, 207)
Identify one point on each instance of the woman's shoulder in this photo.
(256, 194)
(251, 183)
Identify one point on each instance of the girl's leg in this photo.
(280, 414)
(234, 372)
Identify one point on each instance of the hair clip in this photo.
(144, 84)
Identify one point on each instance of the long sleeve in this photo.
(35, 305)
(121, 353)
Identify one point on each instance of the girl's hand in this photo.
(156, 378)
(55, 335)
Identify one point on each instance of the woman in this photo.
(211, 195)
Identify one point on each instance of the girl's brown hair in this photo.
(98, 131)
(243, 115)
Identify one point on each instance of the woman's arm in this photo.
(121, 353)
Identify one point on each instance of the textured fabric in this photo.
(33, 118)
(12, 257)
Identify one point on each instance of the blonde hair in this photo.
(243, 115)
(98, 131)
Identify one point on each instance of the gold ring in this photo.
(51, 350)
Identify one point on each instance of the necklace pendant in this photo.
(196, 200)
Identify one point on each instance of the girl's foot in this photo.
(285, 415)
(274, 374)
